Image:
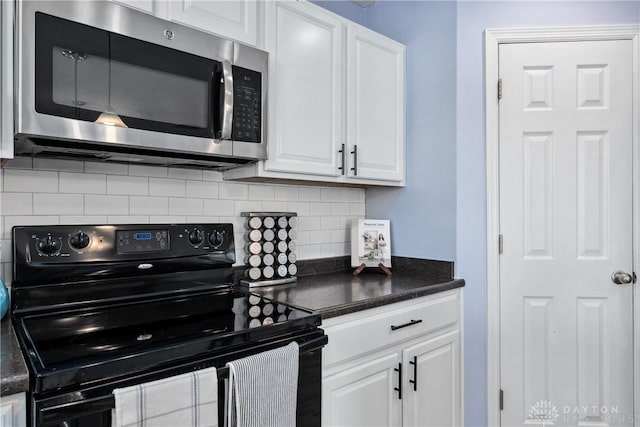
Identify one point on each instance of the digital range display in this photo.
(142, 241)
(142, 236)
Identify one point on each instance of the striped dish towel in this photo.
(189, 400)
(263, 389)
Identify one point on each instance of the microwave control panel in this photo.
(247, 105)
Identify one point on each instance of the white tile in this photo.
(330, 222)
(320, 208)
(303, 238)
(202, 219)
(185, 173)
(5, 251)
(58, 165)
(143, 170)
(362, 195)
(330, 194)
(19, 162)
(309, 223)
(167, 219)
(182, 206)
(310, 194)
(247, 206)
(319, 236)
(329, 250)
(309, 251)
(132, 185)
(273, 206)
(287, 193)
(58, 204)
(16, 204)
(10, 221)
(106, 205)
(301, 208)
(108, 168)
(211, 175)
(83, 219)
(202, 189)
(340, 209)
(167, 187)
(234, 191)
(349, 195)
(128, 219)
(28, 181)
(340, 236)
(358, 209)
(218, 207)
(90, 183)
(148, 205)
(262, 192)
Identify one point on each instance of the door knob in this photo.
(621, 278)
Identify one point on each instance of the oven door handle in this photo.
(313, 344)
(227, 112)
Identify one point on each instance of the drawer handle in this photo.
(404, 325)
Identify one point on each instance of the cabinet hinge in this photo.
(499, 89)
(501, 400)
(500, 244)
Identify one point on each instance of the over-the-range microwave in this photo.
(98, 80)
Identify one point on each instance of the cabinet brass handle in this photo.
(399, 388)
(404, 325)
(414, 381)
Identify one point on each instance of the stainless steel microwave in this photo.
(98, 80)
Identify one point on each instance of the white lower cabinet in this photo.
(408, 376)
(13, 410)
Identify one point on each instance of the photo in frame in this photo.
(370, 242)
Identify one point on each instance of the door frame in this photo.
(492, 39)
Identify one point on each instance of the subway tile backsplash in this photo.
(46, 191)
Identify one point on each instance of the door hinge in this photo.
(499, 89)
(501, 400)
(500, 244)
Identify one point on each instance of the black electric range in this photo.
(102, 307)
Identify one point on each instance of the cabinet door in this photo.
(375, 105)
(305, 83)
(363, 395)
(13, 411)
(234, 19)
(6, 80)
(434, 365)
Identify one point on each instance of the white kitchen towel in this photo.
(187, 400)
(263, 389)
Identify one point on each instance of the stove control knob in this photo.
(216, 239)
(49, 245)
(196, 236)
(79, 240)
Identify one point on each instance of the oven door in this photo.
(91, 407)
(101, 72)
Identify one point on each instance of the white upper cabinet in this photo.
(305, 88)
(336, 110)
(375, 105)
(239, 20)
(236, 19)
(6, 80)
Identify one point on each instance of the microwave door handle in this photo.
(227, 114)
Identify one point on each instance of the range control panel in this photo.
(92, 243)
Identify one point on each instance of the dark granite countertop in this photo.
(14, 373)
(339, 292)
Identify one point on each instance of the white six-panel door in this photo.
(566, 218)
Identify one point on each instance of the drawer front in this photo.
(364, 333)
